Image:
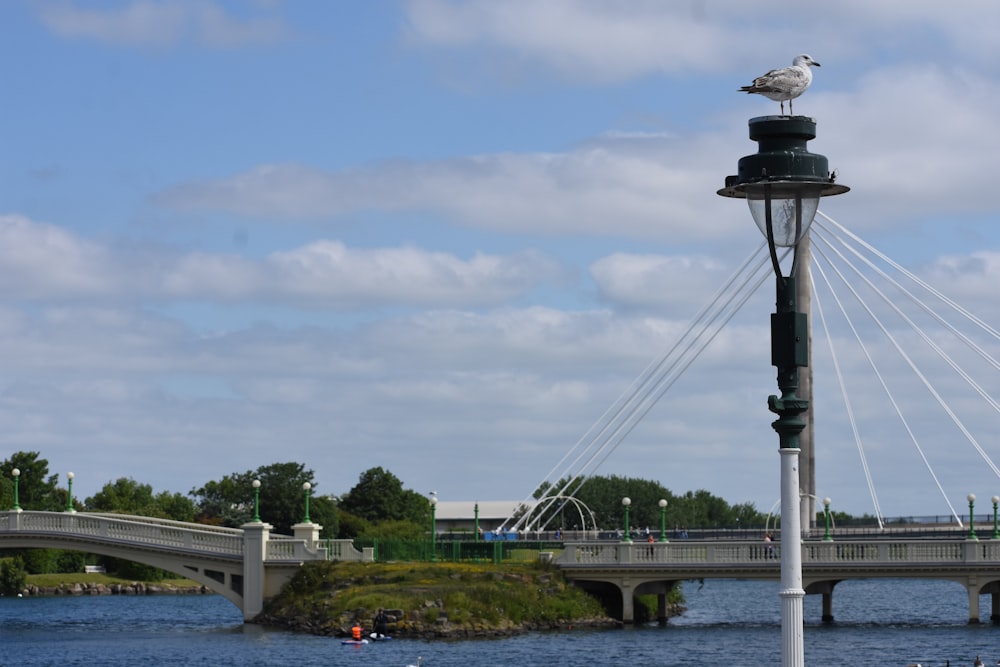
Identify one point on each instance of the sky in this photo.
(442, 237)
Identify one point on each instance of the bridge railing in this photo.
(756, 553)
(126, 528)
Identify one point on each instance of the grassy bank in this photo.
(427, 599)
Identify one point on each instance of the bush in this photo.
(13, 576)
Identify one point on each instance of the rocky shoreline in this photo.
(410, 626)
(133, 588)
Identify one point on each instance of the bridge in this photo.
(624, 569)
(246, 565)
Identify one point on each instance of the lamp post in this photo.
(434, 502)
(663, 520)
(69, 495)
(996, 533)
(626, 502)
(972, 527)
(16, 473)
(475, 511)
(307, 489)
(826, 516)
(783, 183)
(256, 500)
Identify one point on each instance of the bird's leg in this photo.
(782, 103)
(790, 112)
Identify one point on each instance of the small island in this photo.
(427, 600)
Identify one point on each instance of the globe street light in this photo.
(663, 520)
(972, 528)
(256, 500)
(69, 495)
(306, 488)
(16, 473)
(626, 502)
(826, 515)
(783, 183)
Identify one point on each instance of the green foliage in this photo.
(379, 496)
(230, 501)
(393, 530)
(132, 571)
(693, 509)
(41, 561)
(13, 576)
(470, 593)
(36, 490)
(124, 495)
(323, 510)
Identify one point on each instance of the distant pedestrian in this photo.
(768, 545)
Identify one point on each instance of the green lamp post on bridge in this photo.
(783, 183)
(972, 527)
(826, 516)
(16, 474)
(256, 500)
(996, 532)
(307, 490)
(663, 520)
(434, 502)
(626, 503)
(475, 511)
(69, 493)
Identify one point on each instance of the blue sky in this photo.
(442, 237)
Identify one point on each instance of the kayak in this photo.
(354, 642)
(379, 638)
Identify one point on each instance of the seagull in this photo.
(786, 83)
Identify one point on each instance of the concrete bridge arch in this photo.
(246, 565)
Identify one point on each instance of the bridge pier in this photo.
(255, 538)
(973, 590)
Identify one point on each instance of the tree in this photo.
(230, 501)
(36, 490)
(603, 495)
(124, 495)
(13, 577)
(379, 496)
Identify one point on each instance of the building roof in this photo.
(488, 509)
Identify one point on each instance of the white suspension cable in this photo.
(941, 402)
(635, 402)
(955, 306)
(924, 307)
(847, 401)
(653, 391)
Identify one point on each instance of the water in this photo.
(734, 623)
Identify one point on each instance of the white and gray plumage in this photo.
(786, 83)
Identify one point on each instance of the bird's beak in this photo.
(816, 64)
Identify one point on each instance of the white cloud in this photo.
(596, 41)
(654, 188)
(49, 263)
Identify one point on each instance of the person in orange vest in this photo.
(356, 631)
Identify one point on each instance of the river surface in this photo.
(733, 623)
